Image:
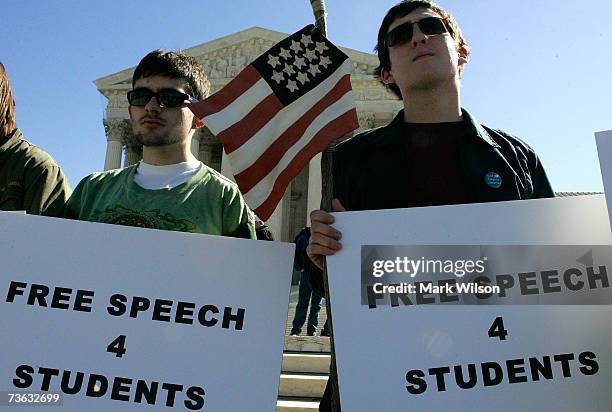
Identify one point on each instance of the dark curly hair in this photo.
(175, 65)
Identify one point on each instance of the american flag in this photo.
(279, 112)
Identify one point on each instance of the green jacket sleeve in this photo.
(238, 220)
(46, 191)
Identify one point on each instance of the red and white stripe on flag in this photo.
(269, 142)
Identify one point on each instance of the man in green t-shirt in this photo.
(169, 189)
(30, 179)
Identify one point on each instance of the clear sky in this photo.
(539, 69)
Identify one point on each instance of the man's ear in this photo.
(130, 111)
(464, 55)
(386, 76)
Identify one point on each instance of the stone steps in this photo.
(297, 405)
(303, 385)
(305, 368)
(313, 344)
(317, 363)
(304, 373)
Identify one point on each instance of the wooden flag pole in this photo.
(318, 8)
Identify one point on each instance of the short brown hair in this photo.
(175, 65)
(7, 104)
(400, 10)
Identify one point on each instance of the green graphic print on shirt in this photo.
(151, 219)
(208, 203)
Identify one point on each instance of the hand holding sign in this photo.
(324, 239)
(475, 357)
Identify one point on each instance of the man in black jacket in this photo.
(433, 152)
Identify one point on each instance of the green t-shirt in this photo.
(30, 179)
(208, 203)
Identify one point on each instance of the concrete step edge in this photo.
(307, 344)
(303, 352)
(309, 363)
(296, 406)
(305, 375)
(307, 385)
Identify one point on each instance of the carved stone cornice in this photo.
(360, 68)
(371, 89)
(366, 120)
(120, 130)
(117, 98)
(225, 63)
(224, 58)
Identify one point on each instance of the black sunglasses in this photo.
(165, 98)
(403, 33)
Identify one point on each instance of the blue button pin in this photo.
(493, 180)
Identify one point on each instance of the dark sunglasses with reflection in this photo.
(403, 33)
(169, 98)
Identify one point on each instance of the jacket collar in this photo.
(480, 156)
(473, 129)
(5, 141)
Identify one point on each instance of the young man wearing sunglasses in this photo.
(433, 152)
(169, 189)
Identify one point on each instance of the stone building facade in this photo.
(223, 59)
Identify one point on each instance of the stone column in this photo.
(209, 149)
(275, 221)
(114, 152)
(314, 186)
(114, 130)
(133, 155)
(195, 145)
(285, 229)
(133, 149)
(298, 204)
(205, 152)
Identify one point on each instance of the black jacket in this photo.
(371, 171)
(371, 167)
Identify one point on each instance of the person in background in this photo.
(306, 295)
(262, 230)
(30, 179)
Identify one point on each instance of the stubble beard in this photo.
(157, 139)
(432, 83)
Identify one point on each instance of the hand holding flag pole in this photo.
(327, 194)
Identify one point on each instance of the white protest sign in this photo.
(604, 149)
(467, 358)
(121, 318)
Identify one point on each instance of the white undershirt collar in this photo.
(154, 177)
